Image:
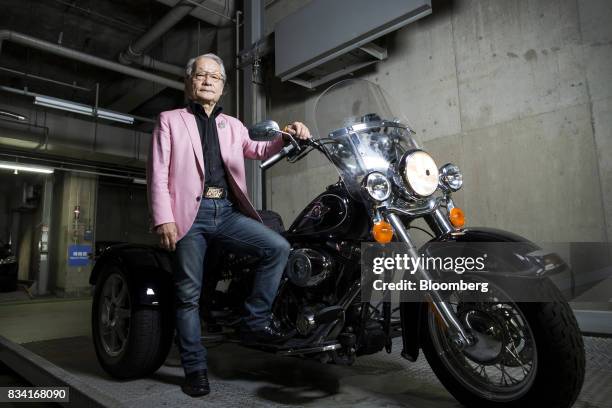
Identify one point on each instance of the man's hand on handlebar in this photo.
(298, 130)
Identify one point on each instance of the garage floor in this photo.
(245, 377)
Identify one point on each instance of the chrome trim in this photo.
(442, 178)
(358, 127)
(305, 322)
(401, 171)
(364, 186)
(429, 206)
(463, 339)
(442, 221)
(309, 350)
(322, 261)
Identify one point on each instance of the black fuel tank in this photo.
(333, 214)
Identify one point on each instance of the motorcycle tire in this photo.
(560, 359)
(147, 332)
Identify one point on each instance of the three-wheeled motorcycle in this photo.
(492, 351)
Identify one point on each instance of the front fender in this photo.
(521, 259)
(147, 269)
(510, 255)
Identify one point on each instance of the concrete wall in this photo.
(517, 93)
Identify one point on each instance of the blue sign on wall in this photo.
(78, 255)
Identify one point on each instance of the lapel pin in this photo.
(221, 125)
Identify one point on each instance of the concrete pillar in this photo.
(72, 233)
(254, 106)
(41, 242)
(226, 50)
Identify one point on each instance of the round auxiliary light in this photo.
(451, 176)
(419, 172)
(377, 186)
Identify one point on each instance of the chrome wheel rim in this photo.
(114, 315)
(502, 365)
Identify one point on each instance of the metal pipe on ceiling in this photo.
(169, 20)
(152, 63)
(45, 79)
(32, 42)
(218, 13)
(134, 52)
(129, 26)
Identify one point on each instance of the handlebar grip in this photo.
(277, 157)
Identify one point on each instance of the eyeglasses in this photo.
(201, 76)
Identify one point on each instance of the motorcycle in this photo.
(487, 352)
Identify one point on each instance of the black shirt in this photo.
(214, 172)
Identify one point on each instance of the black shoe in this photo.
(196, 384)
(266, 335)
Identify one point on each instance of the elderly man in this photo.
(197, 194)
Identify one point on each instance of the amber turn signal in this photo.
(382, 232)
(456, 217)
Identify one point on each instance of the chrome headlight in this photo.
(451, 177)
(377, 186)
(420, 173)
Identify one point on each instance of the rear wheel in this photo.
(130, 341)
(526, 354)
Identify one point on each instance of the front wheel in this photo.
(527, 354)
(131, 341)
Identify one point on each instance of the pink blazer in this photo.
(175, 170)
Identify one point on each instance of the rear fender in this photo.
(148, 271)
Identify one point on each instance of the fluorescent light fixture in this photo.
(24, 167)
(82, 109)
(116, 116)
(13, 115)
(61, 104)
(139, 181)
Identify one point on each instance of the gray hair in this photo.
(210, 55)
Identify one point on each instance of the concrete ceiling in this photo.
(102, 28)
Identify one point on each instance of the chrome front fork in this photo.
(461, 337)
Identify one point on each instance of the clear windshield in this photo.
(365, 133)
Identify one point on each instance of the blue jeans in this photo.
(217, 219)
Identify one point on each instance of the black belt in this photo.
(214, 192)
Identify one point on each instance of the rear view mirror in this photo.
(264, 131)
